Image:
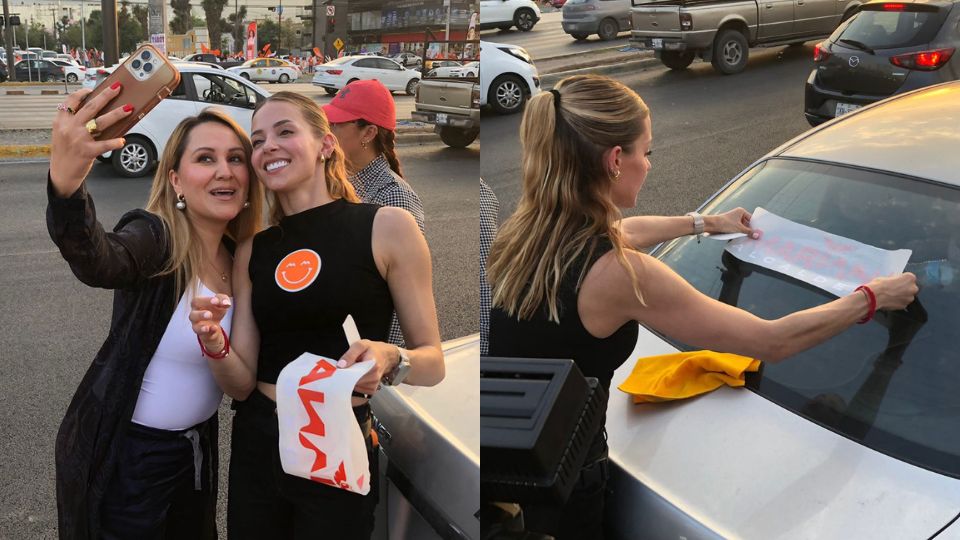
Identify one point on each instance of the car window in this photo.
(890, 384)
(383, 63)
(892, 29)
(180, 92)
(260, 63)
(221, 90)
(365, 63)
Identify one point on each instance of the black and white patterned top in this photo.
(489, 208)
(378, 184)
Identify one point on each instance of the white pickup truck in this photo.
(722, 31)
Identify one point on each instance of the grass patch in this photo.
(24, 150)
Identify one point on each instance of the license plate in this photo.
(844, 108)
(441, 118)
(656, 43)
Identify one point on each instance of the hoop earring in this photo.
(616, 176)
(181, 202)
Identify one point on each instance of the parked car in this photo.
(3, 71)
(856, 437)
(267, 69)
(72, 71)
(443, 68)
(95, 75)
(885, 49)
(200, 87)
(340, 72)
(722, 31)
(606, 18)
(407, 59)
(431, 64)
(211, 59)
(38, 70)
(508, 77)
(504, 14)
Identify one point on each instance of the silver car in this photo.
(854, 438)
(606, 18)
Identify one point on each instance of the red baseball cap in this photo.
(369, 100)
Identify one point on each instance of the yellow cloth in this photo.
(684, 375)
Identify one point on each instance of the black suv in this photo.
(886, 48)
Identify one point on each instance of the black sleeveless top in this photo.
(308, 273)
(539, 337)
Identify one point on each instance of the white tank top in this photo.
(178, 389)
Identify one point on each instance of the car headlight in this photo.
(518, 52)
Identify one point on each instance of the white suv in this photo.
(200, 87)
(508, 77)
(503, 14)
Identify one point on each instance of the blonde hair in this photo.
(565, 206)
(334, 169)
(186, 254)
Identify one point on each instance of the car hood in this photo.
(733, 464)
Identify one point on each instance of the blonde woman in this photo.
(567, 282)
(325, 256)
(136, 452)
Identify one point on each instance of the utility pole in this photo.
(236, 23)
(83, 33)
(111, 43)
(8, 41)
(447, 34)
(280, 29)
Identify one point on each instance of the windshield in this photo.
(338, 61)
(892, 29)
(890, 384)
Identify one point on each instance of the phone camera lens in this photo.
(148, 67)
(145, 55)
(136, 64)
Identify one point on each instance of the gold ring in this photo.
(91, 126)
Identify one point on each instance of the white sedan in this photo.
(200, 87)
(267, 69)
(446, 70)
(72, 70)
(338, 73)
(470, 69)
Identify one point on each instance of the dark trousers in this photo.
(265, 502)
(164, 486)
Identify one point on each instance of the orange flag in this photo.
(316, 52)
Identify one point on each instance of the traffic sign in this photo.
(331, 11)
(338, 44)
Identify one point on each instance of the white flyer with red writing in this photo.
(320, 438)
(833, 263)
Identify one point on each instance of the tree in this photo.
(238, 31)
(130, 31)
(267, 32)
(182, 20)
(213, 9)
(36, 35)
(141, 14)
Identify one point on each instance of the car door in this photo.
(815, 17)
(365, 69)
(224, 92)
(776, 19)
(393, 76)
(258, 71)
(494, 11)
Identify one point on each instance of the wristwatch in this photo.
(697, 222)
(399, 373)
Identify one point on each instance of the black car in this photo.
(3, 71)
(886, 48)
(39, 70)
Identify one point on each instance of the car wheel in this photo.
(51, 78)
(524, 20)
(677, 60)
(245, 76)
(412, 86)
(471, 74)
(580, 37)
(284, 78)
(508, 94)
(730, 52)
(71, 77)
(330, 91)
(607, 30)
(135, 159)
(458, 138)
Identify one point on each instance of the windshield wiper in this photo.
(856, 44)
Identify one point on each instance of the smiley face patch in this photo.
(297, 270)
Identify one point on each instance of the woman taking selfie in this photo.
(136, 452)
(567, 282)
(348, 258)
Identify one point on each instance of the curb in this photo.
(551, 79)
(583, 53)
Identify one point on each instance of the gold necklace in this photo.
(223, 275)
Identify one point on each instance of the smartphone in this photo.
(146, 77)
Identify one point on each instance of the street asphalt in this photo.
(51, 325)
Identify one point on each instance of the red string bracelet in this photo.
(872, 298)
(220, 355)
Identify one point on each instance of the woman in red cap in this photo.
(364, 118)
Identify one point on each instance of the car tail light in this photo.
(686, 22)
(820, 53)
(102, 71)
(924, 60)
(893, 7)
(335, 71)
(475, 97)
